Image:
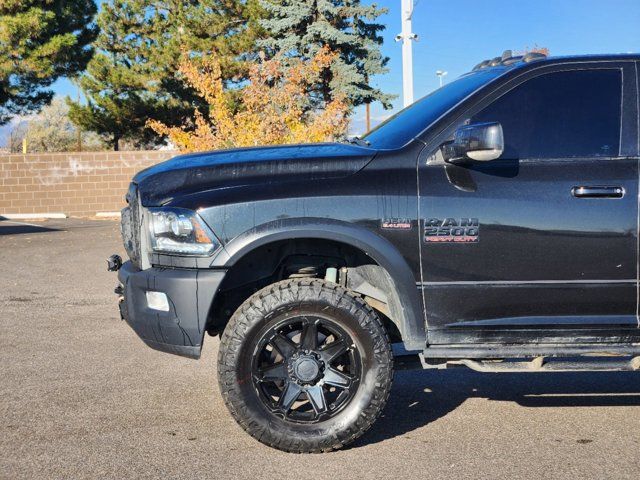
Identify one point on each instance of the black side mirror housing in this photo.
(481, 142)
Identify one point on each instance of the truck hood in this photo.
(186, 174)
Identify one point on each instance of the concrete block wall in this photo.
(77, 184)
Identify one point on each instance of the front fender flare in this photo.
(406, 299)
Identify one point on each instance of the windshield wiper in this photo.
(361, 142)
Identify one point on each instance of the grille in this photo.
(130, 226)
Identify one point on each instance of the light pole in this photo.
(440, 74)
(406, 37)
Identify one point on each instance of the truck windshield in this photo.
(397, 130)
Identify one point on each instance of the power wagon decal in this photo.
(451, 230)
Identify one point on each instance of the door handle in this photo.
(597, 192)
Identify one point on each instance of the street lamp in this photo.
(440, 74)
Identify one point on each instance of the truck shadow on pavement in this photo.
(421, 397)
(8, 227)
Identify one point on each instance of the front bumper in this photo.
(190, 293)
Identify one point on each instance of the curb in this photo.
(108, 214)
(31, 216)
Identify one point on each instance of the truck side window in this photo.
(573, 113)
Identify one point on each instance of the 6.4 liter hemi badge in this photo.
(451, 230)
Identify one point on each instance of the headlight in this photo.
(177, 230)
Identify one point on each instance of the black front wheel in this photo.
(305, 366)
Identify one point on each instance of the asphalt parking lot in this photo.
(83, 397)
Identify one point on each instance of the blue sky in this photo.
(454, 35)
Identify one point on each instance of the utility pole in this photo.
(367, 109)
(79, 129)
(406, 37)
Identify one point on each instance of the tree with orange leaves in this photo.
(274, 107)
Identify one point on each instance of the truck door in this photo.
(540, 245)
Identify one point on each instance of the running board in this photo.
(529, 358)
(538, 364)
(528, 351)
(542, 364)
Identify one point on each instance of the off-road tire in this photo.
(237, 348)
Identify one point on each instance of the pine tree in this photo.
(299, 28)
(40, 41)
(119, 91)
(118, 103)
(134, 75)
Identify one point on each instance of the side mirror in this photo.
(480, 141)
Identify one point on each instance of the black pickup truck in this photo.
(492, 224)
